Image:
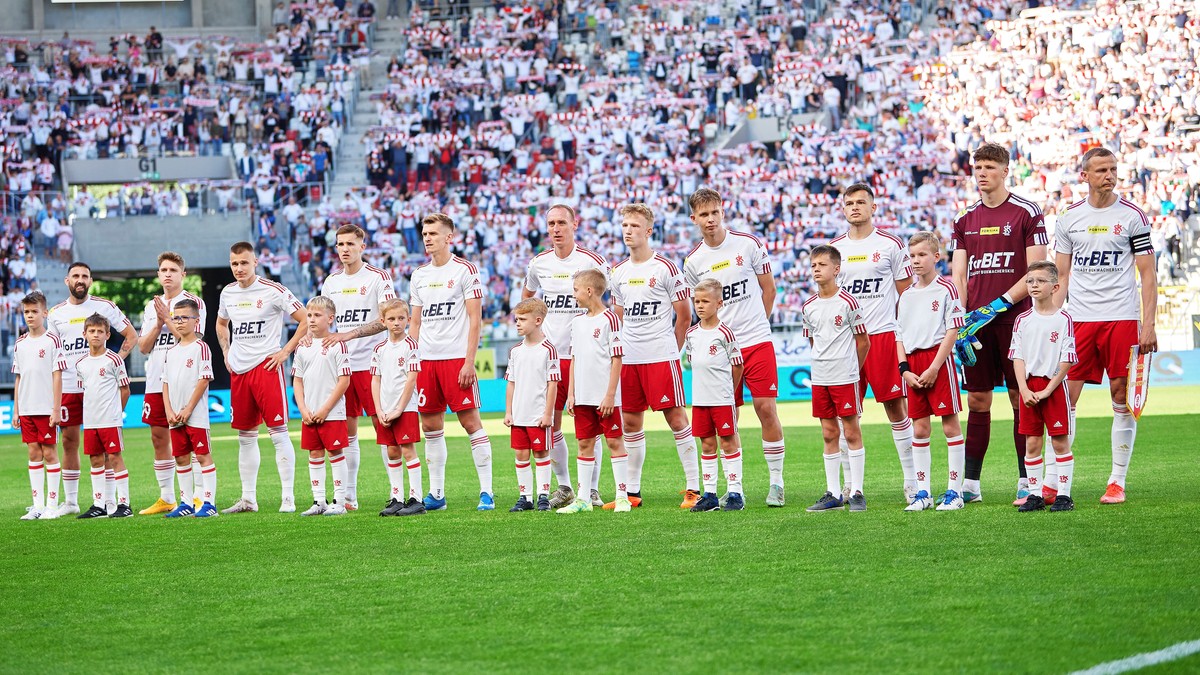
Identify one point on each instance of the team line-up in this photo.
(881, 316)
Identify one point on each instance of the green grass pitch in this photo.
(764, 590)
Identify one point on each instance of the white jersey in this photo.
(101, 378)
(554, 277)
(67, 319)
(1102, 244)
(645, 292)
(530, 368)
(1043, 341)
(166, 339)
(35, 359)
(595, 340)
(927, 312)
(441, 293)
(357, 298)
(319, 368)
(871, 266)
(712, 353)
(392, 362)
(255, 316)
(832, 324)
(736, 264)
(183, 367)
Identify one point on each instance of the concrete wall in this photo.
(118, 15)
(130, 245)
(97, 20)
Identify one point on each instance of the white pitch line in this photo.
(1139, 661)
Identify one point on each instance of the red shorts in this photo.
(154, 413)
(1103, 347)
(358, 395)
(713, 420)
(992, 366)
(564, 380)
(328, 435)
(1052, 414)
(258, 397)
(530, 438)
(943, 397)
(404, 430)
(186, 440)
(656, 386)
(37, 429)
(437, 387)
(759, 372)
(881, 370)
(106, 441)
(833, 401)
(589, 424)
(71, 411)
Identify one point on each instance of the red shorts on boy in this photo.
(37, 429)
(1052, 414)
(102, 441)
(943, 397)
(403, 430)
(187, 439)
(589, 424)
(713, 420)
(328, 435)
(530, 438)
(830, 401)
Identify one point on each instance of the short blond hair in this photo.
(638, 209)
(534, 306)
(593, 278)
(438, 219)
(709, 286)
(322, 302)
(926, 238)
(392, 305)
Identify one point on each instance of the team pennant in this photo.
(1139, 381)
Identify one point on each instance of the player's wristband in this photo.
(904, 367)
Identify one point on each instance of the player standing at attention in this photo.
(106, 391)
(1043, 350)
(533, 378)
(594, 398)
(651, 299)
(553, 272)
(716, 360)
(357, 290)
(158, 334)
(995, 239)
(837, 332)
(67, 319)
(249, 329)
(395, 363)
(320, 378)
(930, 318)
(740, 263)
(1098, 243)
(38, 364)
(187, 370)
(876, 270)
(446, 296)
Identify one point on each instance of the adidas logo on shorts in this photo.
(725, 425)
(773, 388)
(337, 443)
(614, 426)
(466, 401)
(1058, 425)
(895, 387)
(941, 405)
(664, 399)
(47, 435)
(112, 444)
(846, 407)
(278, 418)
(537, 441)
(405, 438)
(199, 444)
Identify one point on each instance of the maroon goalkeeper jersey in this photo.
(994, 241)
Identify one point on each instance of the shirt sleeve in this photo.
(616, 346)
(553, 371)
(733, 351)
(203, 317)
(122, 376)
(206, 371)
(953, 313)
(414, 360)
(959, 239)
(288, 302)
(760, 259)
(298, 363)
(414, 295)
(341, 359)
(472, 286)
(386, 289)
(222, 310)
(531, 278)
(1014, 347)
(149, 317)
(806, 322)
(1035, 230)
(116, 318)
(510, 374)
(618, 296)
(857, 321)
(1067, 350)
(901, 264)
(1139, 236)
(16, 369)
(375, 360)
(1062, 235)
(690, 279)
(678, 285)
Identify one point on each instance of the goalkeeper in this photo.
(995, 239)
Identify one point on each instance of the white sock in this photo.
(481, 452)
(248, 460)
(186, 483)
(198, 487)
(524, 478)
(541, 468)
(208, 475)
(858, 465)
(53, 474)
(1033, 471)
(708, 471)
(414, 479)
(685, 447)
(635, 445)
(620, 467)
(37, 479)
(902, 436)
(316, 476)
(773, 453)
(956, 449)
(285, 460)
(163, 468)
(1050, 466)
(833, 477)
(340, 471)
(844, 449)
(353, 458)
(70, 481)
(733, 472)
(596, 468)
(558, 459)
(1066, 472)
(1071, 429)
(1124, 432)
(110, 487)
(922, 460)
(435, 457)
(583, 470)
(98, 486)
(395, 472)
(121, 486)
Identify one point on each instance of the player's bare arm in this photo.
(1148, 341)
(910, 378)
(1055, 382)
(223, 339)
(929, 377)
(1028, 397)
(548, 414)
(124, 396)
(385, 416)
(298, 389)
(339, 390)
(168, 410)
(958, 272)
(508, 397)
(56, 389)
(766, 281)
(131, 338)
(862, 344)
(466, 376)
(683, 321)
(410, 387)
(366, 330)
(608, 403)
(737, 370)
(414, 324)
(193, 401)
(526, 293)
(276, 360)
(1063, 262)
(569, 408)
(16, 413)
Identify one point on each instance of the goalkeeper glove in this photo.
(984, 315)
(965, 348)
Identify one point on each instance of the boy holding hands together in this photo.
(320, 377)
(106, 391)
(187, 371)
(394, 368)
(533, 376)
